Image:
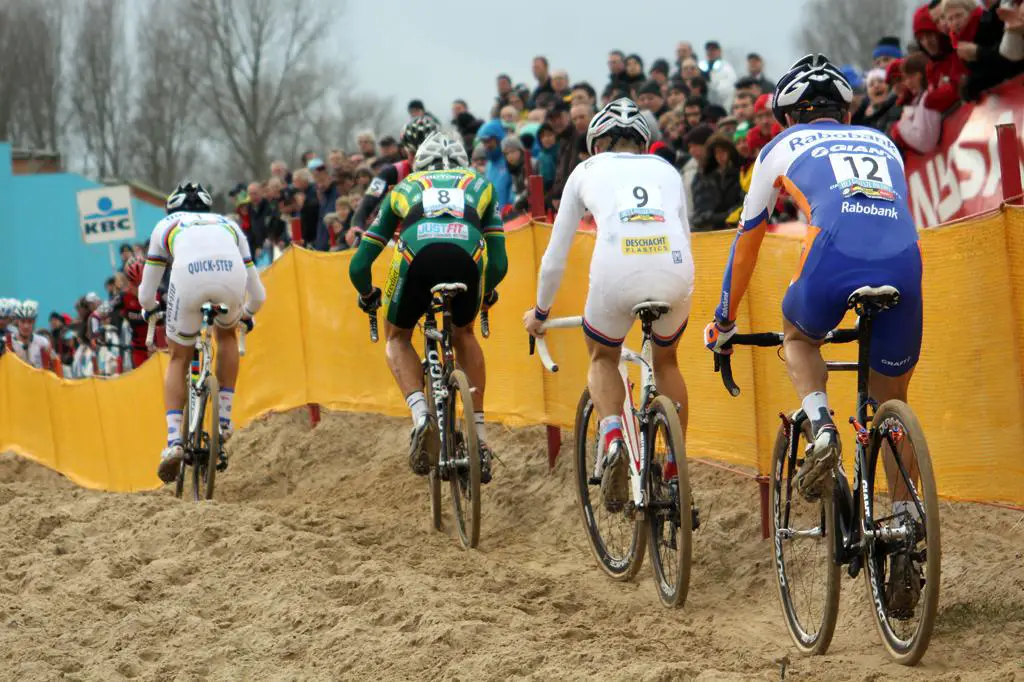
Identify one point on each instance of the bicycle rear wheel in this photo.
(804, 543)
(179, 483)
(618, 540)
(206, 445)
(463, 459)
(905, 632)
(670, 518)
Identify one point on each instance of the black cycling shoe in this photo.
(423, 445)
(486, 456)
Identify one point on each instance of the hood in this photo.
(924, 23)
(491, 129)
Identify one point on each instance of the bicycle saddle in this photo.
(653, 309)
(448, 288)
(874, 298)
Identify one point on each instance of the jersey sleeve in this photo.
(157, 257)
(757, 208)
(255, 293)
(552, 265)
(378, 187)
(372, 243)
(493, 229)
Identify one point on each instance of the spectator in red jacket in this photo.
(765, 126)
(946, 68)
(920, 125)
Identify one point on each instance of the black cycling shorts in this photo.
(434, 264)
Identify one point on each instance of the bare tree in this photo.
(101, 92)
(262, 68)
(10, 57)
(848, 31)
(167, 109)
(39, 116)
(350, 113)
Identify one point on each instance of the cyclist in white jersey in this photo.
(34, 349)
(641, 253)
(210, 262)
(7, 308)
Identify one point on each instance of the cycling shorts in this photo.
(406, 291)
(195, 281)
(633, 270)
(816, 301)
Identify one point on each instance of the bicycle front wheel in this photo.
(463, 459)
(617, 539)
(670, 518)
(803, 541)
(906, 536)
(434, 477)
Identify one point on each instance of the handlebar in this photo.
(538, 344)
(151, 331)
(723, 361)
(485, 324)
(241, 339)
(373, 327)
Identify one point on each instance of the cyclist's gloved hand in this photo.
(717, 335)
(370, 302)
(248, 322)
(155, 312)
(490, 298)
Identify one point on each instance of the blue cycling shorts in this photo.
(815, 302)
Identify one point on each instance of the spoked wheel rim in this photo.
(463, 460)
(905, 632)
(617, 539)
(803, 552)
(670, 527)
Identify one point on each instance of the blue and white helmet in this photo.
(7, 306)
(621, 118)
(27, 310)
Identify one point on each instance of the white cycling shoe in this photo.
(170, 462)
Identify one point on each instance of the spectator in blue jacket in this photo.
(490, 135)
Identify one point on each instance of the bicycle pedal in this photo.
(695, 516)
(222, 463)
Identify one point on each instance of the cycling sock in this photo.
(816, 408)
(417, 403)
(611, 428)
(227, 396)
(481, 434)
(173, 427)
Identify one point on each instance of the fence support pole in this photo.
(554, 444)
(1009, 162)
(314, 414)
(762, 484)
(535, 190)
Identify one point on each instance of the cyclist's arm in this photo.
(388, 177)
(373, 242)
(552, 265)
(493, 229)
(757, 208)
(157, 258)
(255, 293)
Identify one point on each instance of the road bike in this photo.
(856, 527)
(450, 401)
(660, 511)
(204, 452)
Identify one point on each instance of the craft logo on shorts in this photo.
(442, 231)
(642, 215)
(644, 246)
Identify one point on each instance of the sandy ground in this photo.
(316, 562)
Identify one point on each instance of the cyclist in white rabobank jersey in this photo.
(849, 183)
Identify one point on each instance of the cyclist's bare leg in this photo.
(803, 360)
(177, 369)
(471, 359)
(227, 356)
(606, 388)
(669, 380)
(403, 361)
(883, 388)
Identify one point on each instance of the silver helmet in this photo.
(440, 152)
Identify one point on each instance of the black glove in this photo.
(490, 298)
(369, 303)
(248, 323)
(148, 314)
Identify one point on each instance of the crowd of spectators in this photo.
(708, 119)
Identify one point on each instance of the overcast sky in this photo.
(443, 49)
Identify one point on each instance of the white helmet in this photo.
(28, 310)
(621, 118)
(440, 152)
(7, 307)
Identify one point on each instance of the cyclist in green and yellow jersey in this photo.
(445, 223)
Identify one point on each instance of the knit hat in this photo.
(479, 153)
(893, 71)
(650, 87)
(763, 103)
(874, 74)
(511, 142)
(660, 66)
(852, 76)
(741, 131)
(888, 46)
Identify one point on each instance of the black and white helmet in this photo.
(440, 152)
(26, 310)
(813, 82)
(189, 196)
(416, 131)
(620, 119)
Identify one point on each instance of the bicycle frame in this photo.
(438, 361)
(634, 418)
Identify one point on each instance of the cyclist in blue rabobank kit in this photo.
(849, 183)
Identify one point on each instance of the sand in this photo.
(316, 563)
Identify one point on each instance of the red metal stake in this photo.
(554, 445)
(762, 484)
(314, 414)
(1009, 163)
(535, 189)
